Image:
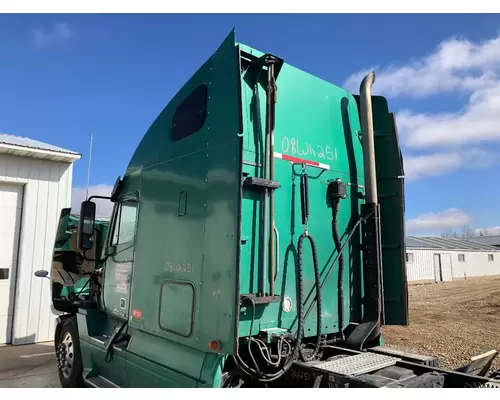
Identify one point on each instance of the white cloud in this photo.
(458, 66)
(477, 122)
(450, 220)
(435, 164)
(455, 65)
(439, 221)
(60, 32)
(103, 207)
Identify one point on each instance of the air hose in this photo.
(304, 197)
(265, 377)
(340, 253)
(297, 350)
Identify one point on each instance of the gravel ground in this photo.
(453, 321)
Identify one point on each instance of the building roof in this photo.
(491, 240)
(97, 218)
(431, 242)
(22, 146)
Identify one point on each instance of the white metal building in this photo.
(35, 184)
(439, 260)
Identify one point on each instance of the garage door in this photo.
(11, 199)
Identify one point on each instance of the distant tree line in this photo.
(465, 232)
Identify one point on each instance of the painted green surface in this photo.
(178, 319)
(196, 245)
(198, 248)
(317, 121)
(93, 327)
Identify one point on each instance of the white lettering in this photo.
(284, 148)
(329, 154)
(311, 150)
(291, 145)
(321, 153)
(302, 152)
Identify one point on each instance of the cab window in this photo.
(126, 218)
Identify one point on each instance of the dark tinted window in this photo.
(190, 114)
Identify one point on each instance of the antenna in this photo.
(88, 172)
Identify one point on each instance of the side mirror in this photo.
(41, 273)
(86, 225)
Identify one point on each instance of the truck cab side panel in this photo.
(174, 280)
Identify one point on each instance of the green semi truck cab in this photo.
(256, 239)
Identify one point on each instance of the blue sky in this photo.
(63, 76)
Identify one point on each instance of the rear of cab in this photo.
(196, 244)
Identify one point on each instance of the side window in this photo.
(124, 229)
(409, 257)
(461, 257)
(190, 115)
(491, 258)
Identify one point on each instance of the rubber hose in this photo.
(265, 377)
(318, 292)
(340, 288)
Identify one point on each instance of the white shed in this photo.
(439, 260)
(35, 184)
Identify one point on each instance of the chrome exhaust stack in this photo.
(369, 328)
(366, 114)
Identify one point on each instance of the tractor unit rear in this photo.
(257, 239)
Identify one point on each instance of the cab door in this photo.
(118, 271)
(109, 362)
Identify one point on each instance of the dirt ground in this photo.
(453, 321)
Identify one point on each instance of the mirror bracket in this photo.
(99, 197)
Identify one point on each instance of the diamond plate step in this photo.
(100, 382)
(358, 364)
(420, 358)
(492, 384)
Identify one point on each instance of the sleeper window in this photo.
(189, 116)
